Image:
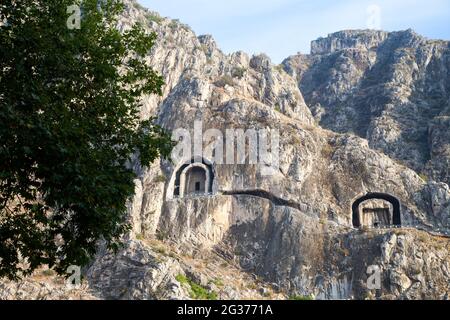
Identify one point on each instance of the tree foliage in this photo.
(69, 126)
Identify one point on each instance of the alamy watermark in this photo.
(234, 146)
(74, 280)
(374, 277)
(373, 17)
(75, 14)
(74, 20)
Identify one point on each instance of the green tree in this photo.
(69, 127)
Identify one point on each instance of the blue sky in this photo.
(281, 28)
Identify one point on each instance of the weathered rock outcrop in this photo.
(391, 88)
(287, 227)
(44, 285)
(379, 97)
(154, 270)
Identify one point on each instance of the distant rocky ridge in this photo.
(366, 112)
(391, 88)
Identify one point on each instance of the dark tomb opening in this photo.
(195, 179)
(376, 216)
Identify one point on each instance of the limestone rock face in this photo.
(135, 273)
(44, 285)
(390, 88)
(145, 270)
(350, 39)
(365, 113)
(308, 255)
(294, 227)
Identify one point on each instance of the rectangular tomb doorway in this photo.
(376, 217)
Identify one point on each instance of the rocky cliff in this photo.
(392, 89)
(366, 113)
